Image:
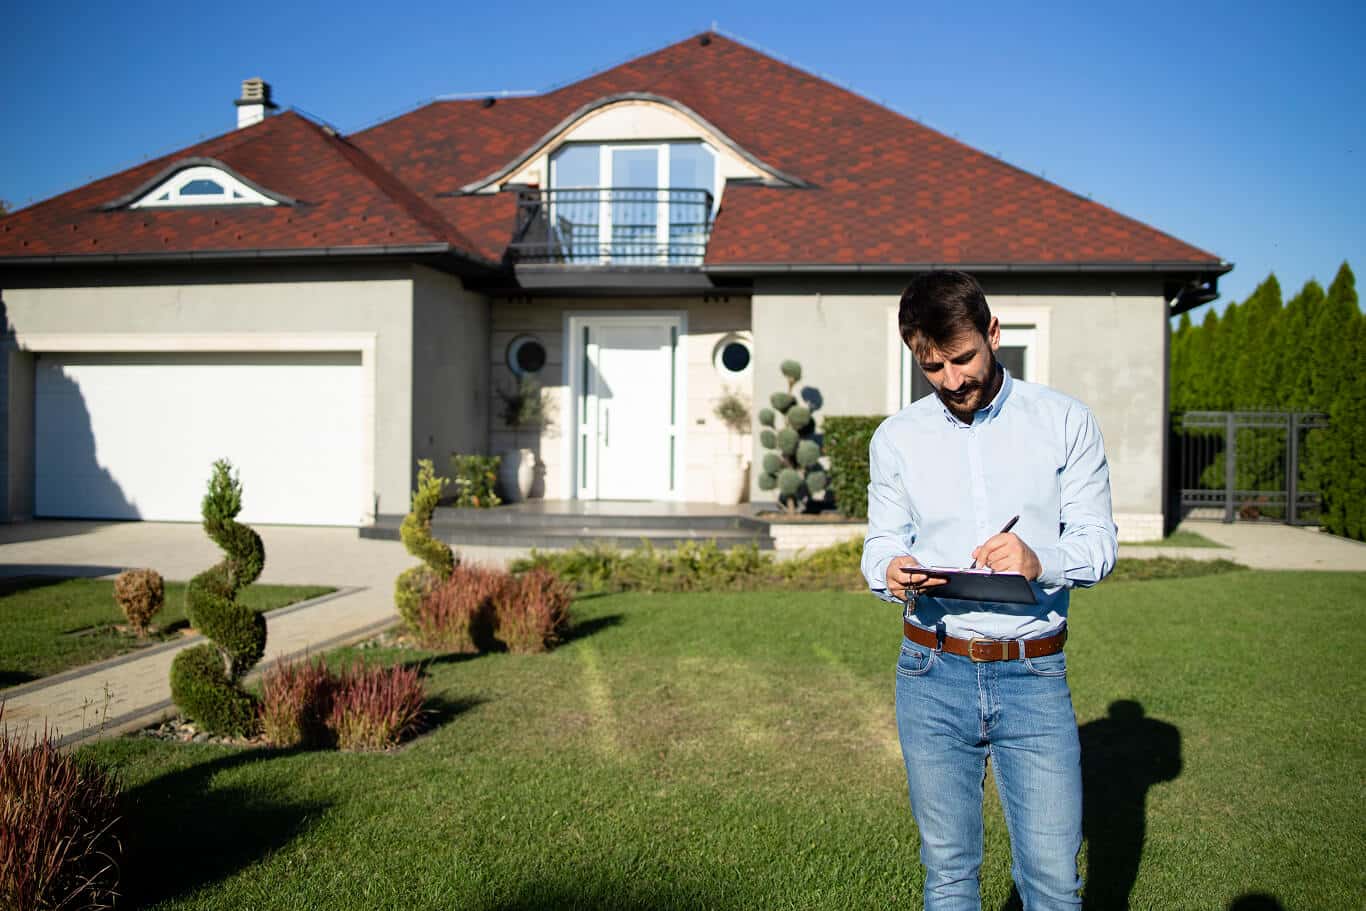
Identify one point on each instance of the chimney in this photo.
(255, 102)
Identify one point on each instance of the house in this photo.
(325, 310)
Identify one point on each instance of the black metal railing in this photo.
(1249, 464)
(626, 226)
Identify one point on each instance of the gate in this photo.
(1248, 464)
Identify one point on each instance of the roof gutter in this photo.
(253, 255)
(1210, 268)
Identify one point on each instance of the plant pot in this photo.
(729, 478)
(516, 474)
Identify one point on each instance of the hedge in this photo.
(846, 443)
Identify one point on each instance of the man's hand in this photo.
(900, 576)
(1008, 554)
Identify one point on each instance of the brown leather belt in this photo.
(989, 649)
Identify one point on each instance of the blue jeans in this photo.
(952, 714)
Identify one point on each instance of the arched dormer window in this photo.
(202, 185)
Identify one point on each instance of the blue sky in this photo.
(1240, 128)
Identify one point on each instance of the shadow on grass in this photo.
(614, 894)
(184, 833)
(14, 678)
(1256, 901)
(1122, 756)
(16, 577)
(586, 628)
(440, 710)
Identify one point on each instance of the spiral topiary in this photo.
(792, 466)
(206, 679)
(438, 560)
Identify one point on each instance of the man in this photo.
(977, 679)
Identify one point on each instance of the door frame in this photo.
(579, 474)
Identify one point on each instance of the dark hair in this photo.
(939, 307)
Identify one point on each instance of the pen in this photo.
(1009, 526)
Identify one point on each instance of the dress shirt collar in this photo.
(988, 412)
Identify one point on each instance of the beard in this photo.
(972, 396)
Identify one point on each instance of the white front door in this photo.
(627, 407)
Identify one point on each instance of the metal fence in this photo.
(631, 226)
(1248, 464)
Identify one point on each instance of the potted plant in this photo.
(523, 408)
(729, 477)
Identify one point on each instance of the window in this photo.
(525, 355)
(732, 356)
(202, 185)
(633, 202)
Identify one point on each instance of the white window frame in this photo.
(663, 163)
(1022, 327)
(180, 179)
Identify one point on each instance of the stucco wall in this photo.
(1104, 347)
(708, 321)
(450, 369)
(297, 300)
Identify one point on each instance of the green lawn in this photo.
(51, 625)
(738, 751)
(1180, 538)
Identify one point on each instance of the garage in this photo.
(134, 435)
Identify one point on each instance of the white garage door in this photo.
(134, 436)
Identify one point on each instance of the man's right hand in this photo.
(900, 576)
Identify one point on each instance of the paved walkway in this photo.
(125, 693)
(129, 692)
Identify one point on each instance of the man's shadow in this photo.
(1122, 756)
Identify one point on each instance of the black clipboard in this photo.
(975, 585)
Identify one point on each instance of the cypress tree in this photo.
(1180, 364)
(1254, 367)
(1343, 445)
(1228, 340)
(1293, 349)
(1202, 358)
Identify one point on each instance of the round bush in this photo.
(798, 417)
(816, 481)
(782, 401)
(789, 482)
(766, 417)
(792, 370)
(768, 439)
(768, 481)
(787, 441)
(773, 463)
(808, 453)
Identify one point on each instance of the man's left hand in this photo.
(1008, 554)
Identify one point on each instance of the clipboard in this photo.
(976, 585)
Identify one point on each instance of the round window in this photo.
(732, 355)
(526, 355)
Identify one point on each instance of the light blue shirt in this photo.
(939, 487)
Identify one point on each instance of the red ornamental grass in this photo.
(457, 614)
(58, 848)
(296, 701)
(375, 707)
(532, 611)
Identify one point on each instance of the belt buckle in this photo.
(1005, 649)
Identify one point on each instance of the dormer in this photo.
(198, 182)
(628, 180)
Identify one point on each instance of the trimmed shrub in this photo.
(476, 476)
(140, 594)
(376, 707)
(794, 449)
(59, 847)
(438, 560)
(532, 611)
(296, 702)
(205, 680)
(846, 442)
(457, 615)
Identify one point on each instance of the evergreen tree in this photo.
(1340, 459)
(1180, 378)
(1329, 340)
(1203, 383)
(1253, 378)
(1292, 348)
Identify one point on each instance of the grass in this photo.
(738, 751)
(52, 625)
(1179, 538)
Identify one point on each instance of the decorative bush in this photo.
(376, 707)
(296, 702)
(205, 680)
(532, 611)
(476, 476)
(140, 594)
(793, 466)
(457, 615)
(437, 558)
(59, 847)
(846, 442)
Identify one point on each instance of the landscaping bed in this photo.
(738, 750)
(51, 625)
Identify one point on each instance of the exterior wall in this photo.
(450, 367)
(708, 321)
(1104, 346)
(304, 301)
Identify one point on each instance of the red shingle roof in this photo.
(886, 190)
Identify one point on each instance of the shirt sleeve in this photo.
(1087, 547)
(891, 526)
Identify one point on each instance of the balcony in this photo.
(632, 227)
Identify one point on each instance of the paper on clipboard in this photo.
(978, 585)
